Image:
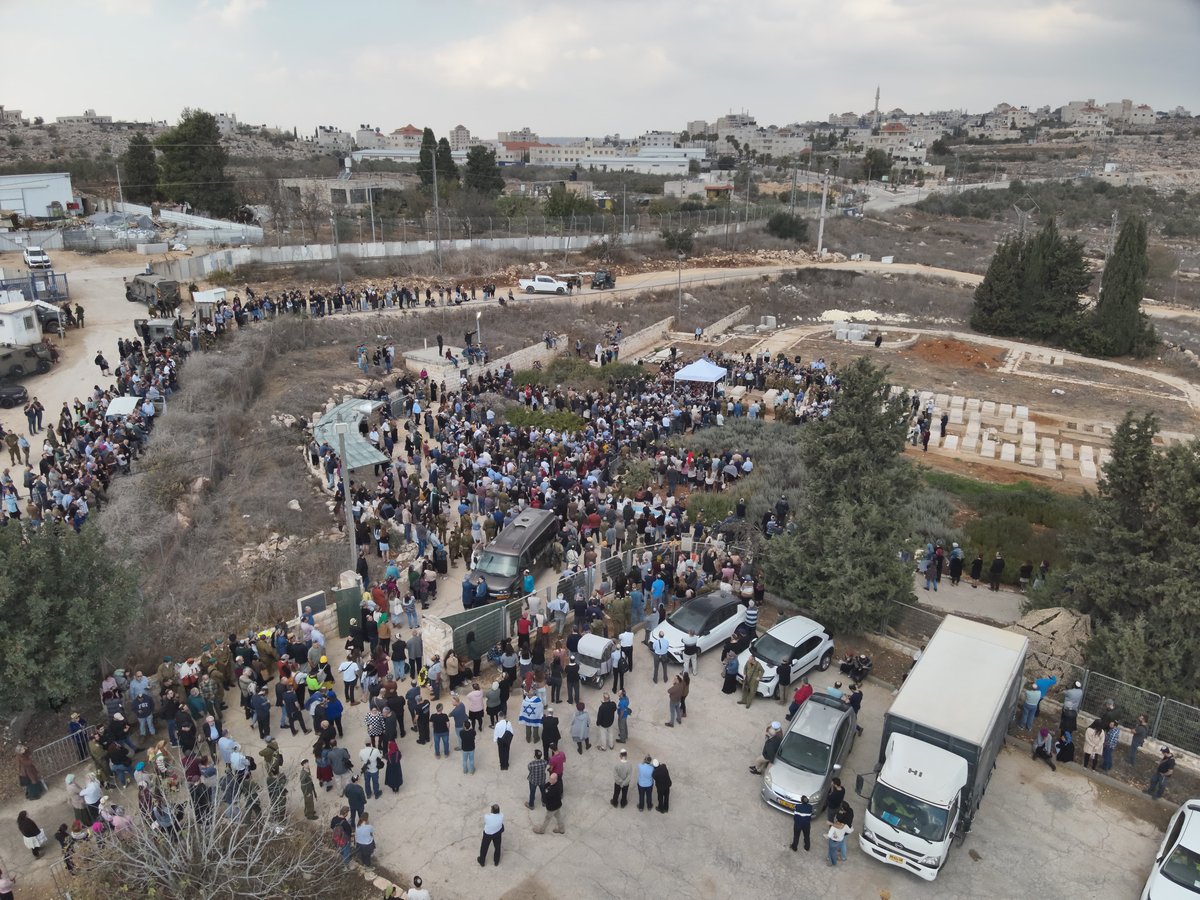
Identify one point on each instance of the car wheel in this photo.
(7, 402)
(560, 291)
(43, 366)
(529, 290)
(16, 371)
(825, 660)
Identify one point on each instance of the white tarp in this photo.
(701, 370)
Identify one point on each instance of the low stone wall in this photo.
(720, 326)
(639, 342)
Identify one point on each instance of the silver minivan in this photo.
(813, 750)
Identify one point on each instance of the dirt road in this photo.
(95, 283)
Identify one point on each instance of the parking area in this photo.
(1039, 833)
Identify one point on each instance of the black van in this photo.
(523, 544)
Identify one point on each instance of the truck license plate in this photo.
(898, 860)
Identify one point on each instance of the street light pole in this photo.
(337, 249)
(479, 329)
(341, 429)
(821, 226)
(679, 280)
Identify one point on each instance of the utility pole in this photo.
(821, 226)
(120, 190)
(679, 280)
(337, 248)
(794, 173)
(341, 429)
(371, 200)
(1108, 249)
(624, 227)
(437, 219)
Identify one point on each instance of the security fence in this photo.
(1170, 721)
(65, 753)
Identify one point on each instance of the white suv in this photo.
(786, 652)
(36, 258)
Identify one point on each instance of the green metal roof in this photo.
(359, 451)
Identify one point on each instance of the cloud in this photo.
(235, 12)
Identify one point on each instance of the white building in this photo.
(331, 138)
(368, 138)
(697, 126)
(524, 135)
(19, 325)
(227, 124)
(89, 117)
(460, 137)
(45, 196)
(657, 140)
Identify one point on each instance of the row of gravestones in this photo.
(990, 440)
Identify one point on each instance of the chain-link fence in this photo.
(1170, 721)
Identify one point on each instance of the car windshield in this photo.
(771, 649)
(498, 564)
(688, 618)
(805, 753)
(1183, 868)
(908, 814)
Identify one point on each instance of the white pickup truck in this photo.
(543, 284)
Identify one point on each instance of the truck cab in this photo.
(158, 293)
(543, 284)
(915, 807)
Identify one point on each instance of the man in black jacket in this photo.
(550, 733)
(552, 799)
(662, 781)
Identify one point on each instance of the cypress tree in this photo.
(1120, 326)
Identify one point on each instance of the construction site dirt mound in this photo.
(951, 352)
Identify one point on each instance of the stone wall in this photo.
(720, 326)
(639, 342)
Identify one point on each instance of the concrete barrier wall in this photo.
(640, 341)
(722, 325)
(196, 268)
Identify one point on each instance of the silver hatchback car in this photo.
(813, 750)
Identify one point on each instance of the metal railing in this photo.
(65, 753)
(1170, 721)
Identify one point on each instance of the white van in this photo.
(36, 258)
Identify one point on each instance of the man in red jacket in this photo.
(802, 693)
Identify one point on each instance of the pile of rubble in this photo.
(1056, 635)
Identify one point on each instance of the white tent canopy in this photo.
(701, 370)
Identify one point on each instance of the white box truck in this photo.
(939, 744)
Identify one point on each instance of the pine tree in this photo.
(447, 170)
(425, 162)
(481, 174)
(841, 562)
(139, 168)
(1120, 326)
(998, 298)
(193, 165)
(1136, 569)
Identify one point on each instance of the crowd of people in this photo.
(81, 451)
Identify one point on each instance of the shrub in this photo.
(789, 227)
(527, 417)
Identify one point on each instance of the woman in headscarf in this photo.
(31, 834)
(28, 775)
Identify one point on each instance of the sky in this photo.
(589, 67)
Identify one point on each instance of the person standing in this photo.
(572, 680)
(730, 670)
(493, 834)
(659, 647)
(356, 798)
(28, 775)
(466, 743)
(802, 823)
(1093, 744)
(626, 642)
(441, 732)
(995, 570)
(772, 739)
(976, 570)
(552, 799)
(364, 839)
(606, 715)
(674, 699)
(1140, 732)
(645, 784)
(662, 784)
(342, 832)
(532, 712)
(750, 678)
(31, 834)
(623, 712)
(1031, 698)
(617, 661)
(1069, 718)
(837, 796)
(371, 759)
(1158, 782)
(393, 776)
(537, 777)
(622, 775)
(581, 725)
(1112, 737)
(502, 736)
(349, 670)
(308, 790)
(836, 837)
(691, 653)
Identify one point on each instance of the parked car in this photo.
(713, 616)
(787, 651)
(603, 279)
(542, 284)
(1176, 872)
(36, 258)
(523, 544)
(12, 394)
(16, 362)
(813, 750)
(155, 291)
